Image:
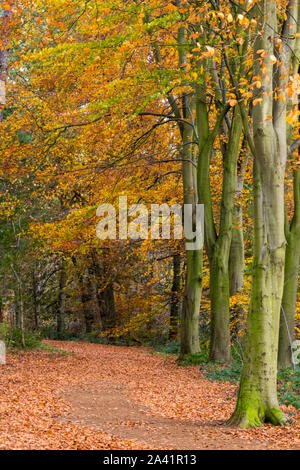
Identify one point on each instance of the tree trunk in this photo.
(189, 325)
(189, 338)
(61, 300)
(16, 311)
(292, 261)
(174, 309)
(106, 310)
(106, 299)
(89, 299)
(189, 319)
(257, 399)
(36, 297)
(1, 310)
(236, 255)
(189, 334)
(22, 319)
(220, 348)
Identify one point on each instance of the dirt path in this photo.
(108, 407)
(143, 410)
(105, 397)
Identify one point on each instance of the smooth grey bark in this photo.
(291, 283)
(237, 255)
(257, 399)
(292, 257)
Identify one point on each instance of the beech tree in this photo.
(272, 56)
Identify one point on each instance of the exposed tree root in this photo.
(251, 417)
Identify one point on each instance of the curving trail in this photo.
(107, 397)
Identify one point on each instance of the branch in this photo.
(294, 145)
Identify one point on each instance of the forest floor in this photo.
(109, 397)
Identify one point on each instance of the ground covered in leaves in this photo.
(109, 397)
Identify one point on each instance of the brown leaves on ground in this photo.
(34, 406)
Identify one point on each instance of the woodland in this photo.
(182, 102)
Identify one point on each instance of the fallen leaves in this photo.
(32, 402)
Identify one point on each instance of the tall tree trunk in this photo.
(106, 299)
(19, 307)
(220, 348)
(89, 299)
(236, 262)
(236, 255)
(175, 304)
(1, 310)
(257, 399)
(16, 310)
(105, 295)
(291, 270)
(61, 299)
(86, 298)
(189, 326)
(189, 338)
(22, 329)
(189, 319)
(237, 252)
(217, 247)
(36, 297)
(292, 257)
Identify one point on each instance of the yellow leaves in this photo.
(232, 102)
(282, 97)
(293, 88)
(210, 51)
(230, 18)
(257, 100)
(291, 118)
(194, 35)
(264, 70)
(171, 7)
(5, 6)
(262, 52)
(243, 20)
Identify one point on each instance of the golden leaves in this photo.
(6, 6)
(232, 102)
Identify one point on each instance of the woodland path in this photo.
(108, 397)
